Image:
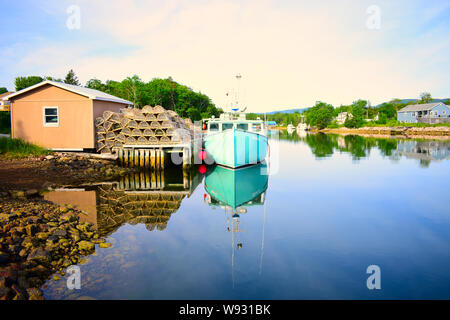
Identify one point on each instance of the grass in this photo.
(17, 148)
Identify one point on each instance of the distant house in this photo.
(436, 112)
(5, 104)
(340, 119)
(271, 124)
(59, 116)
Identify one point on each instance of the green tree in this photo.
(25, 82)
(71, 78)
(53, 79)
(320, 115)
(165, 92)
(3, 90)
(388, 110)
(96, 85)
(132, 88)
(425, 97)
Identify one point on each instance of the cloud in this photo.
(290, 54)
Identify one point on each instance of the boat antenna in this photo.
(238, 78)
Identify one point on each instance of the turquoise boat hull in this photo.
(237, 187)
(236, 148)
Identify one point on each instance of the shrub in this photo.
(5, 122)
(333, 125)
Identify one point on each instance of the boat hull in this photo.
(235, 148)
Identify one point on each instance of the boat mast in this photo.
(262, 240)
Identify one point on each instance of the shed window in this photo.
(51, 117)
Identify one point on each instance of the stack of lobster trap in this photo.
(116, 207)
(141, 127)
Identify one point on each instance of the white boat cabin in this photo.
(235, 120)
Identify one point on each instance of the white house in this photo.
(340, 119)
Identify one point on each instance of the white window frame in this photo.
(57, 116)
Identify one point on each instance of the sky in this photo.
(290, 53)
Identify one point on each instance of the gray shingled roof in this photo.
(419, 107)
(87, 92)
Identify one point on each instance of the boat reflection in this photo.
(234, 191)
(147, 197)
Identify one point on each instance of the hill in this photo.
(301, 110)
(412, 100)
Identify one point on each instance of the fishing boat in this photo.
(290, 128)
(302, 127)
(233, 141)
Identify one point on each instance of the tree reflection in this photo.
(324, 145)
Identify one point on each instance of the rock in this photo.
(31, 229)
(42, 235)
(60, 232)
(63, 209)
(23, 253)
(17, 194)
(86, 298)
(49, 157)
(86, 245)
(4, 258)
(89, 234)
(34, 294)
(39, 255)
(4, 217)
(105, 245)
(31, 192)
(5, 293)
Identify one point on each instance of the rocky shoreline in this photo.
(407, 132)
(19, 177)
(39, 239)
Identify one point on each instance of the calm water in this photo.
(333, 206)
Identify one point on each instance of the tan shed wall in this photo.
(76, 118)
(102, 106)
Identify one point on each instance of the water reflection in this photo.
(148, 197)
(424, 151)
(234, 191)
(325, 145)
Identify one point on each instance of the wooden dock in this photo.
(155, 156)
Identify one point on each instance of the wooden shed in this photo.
(60, 116)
